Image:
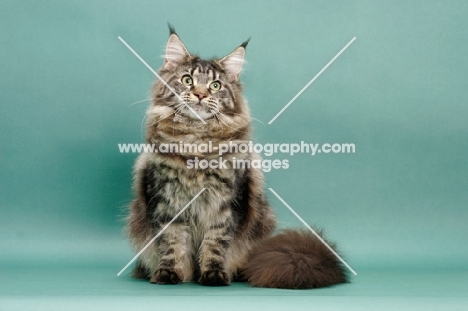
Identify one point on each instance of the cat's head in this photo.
(193, 92)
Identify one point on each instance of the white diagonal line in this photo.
(160, 232)
(311, 81)
(159, 77)
(313, 231)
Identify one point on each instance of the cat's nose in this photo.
(200, 95)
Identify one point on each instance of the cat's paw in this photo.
(165, 276)
(214, 278)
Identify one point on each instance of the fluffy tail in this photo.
(293, 259)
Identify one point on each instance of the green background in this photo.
(397, 207)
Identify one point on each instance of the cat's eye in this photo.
(215, 86)
(187, 80)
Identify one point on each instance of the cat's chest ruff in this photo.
(178, 185)
(209, 208)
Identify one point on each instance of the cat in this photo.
(225, 235)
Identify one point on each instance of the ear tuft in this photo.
(171, 29)
(244, 44)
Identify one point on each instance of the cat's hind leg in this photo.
(140, 271)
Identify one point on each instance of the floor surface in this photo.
(98, 288)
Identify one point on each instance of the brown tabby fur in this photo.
(225, 234)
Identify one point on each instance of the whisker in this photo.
(250, 117)
(219, 120)
(140, 101)
(213, 106)
(141, 125)
(234, 123)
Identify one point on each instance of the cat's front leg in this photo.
(175, 255)
(212, 254)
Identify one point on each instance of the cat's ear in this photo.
(176, 52)
(232, 63)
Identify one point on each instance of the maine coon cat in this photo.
(226, 233)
